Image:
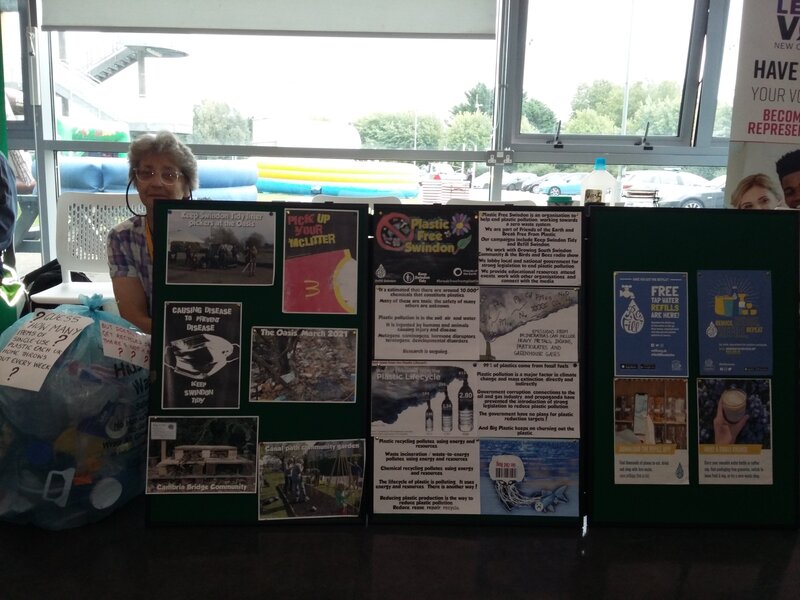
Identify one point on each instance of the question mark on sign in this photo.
(14, 371)
(133, 354)
(121, 349)
(61, 338)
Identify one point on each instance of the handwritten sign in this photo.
(125, 344)
(33, 350)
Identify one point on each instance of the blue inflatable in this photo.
(219, 179)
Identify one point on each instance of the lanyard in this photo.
(149, 237)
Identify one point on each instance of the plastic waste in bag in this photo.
(73, 451)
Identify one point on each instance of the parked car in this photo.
(712, 198)
(511, 181)
(719, 182)
(667, 188)
(559, 184)
(529, 182)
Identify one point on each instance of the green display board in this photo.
(721, 479)
(258, 412)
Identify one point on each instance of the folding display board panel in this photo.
(259, 355)
(737, 265)
(476, 368)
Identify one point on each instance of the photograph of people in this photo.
(161, 167)
(757, 191)
(788, 168)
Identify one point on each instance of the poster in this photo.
(519, 477)
(735, 322)
(426, 246)
(650, 324)
(765, 123)
(651, 431)
(220, 247)
(476, 323)
(202, 342)
(202, 455)
(524, 246)
(475, 399)
(303, 364)
(735, 431)
(320, 271)
(530, 476)
(430, 476)
(311, 479)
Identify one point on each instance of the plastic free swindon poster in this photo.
(650, 331)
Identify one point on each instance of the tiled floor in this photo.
(121, 557)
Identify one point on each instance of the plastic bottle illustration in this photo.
(599, 186)
(447, 411)
(465, 406)
(428, 414)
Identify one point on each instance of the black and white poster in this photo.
(202, 348)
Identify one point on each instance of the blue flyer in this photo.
(650, 332)
(735, 322)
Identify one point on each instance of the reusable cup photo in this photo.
(734, 404)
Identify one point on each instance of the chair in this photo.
(83, 221)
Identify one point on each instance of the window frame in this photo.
(21, 132)
(694, 145)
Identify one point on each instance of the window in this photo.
(602, 69)
(280, 91)
(404, 84)
(13, 19)
(727, 82)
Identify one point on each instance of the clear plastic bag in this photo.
(74, 451)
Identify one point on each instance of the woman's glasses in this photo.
(168, 177)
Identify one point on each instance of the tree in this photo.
(603, 97)
(589, 121)
(400, 130)
(722, 122)
(480, 98)
(539, 115)
(661, 114)
(469, 131)
(217, 123)
(656, 103)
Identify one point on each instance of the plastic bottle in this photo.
(447, 411)
(428, 415)
(465, 400)
(599, 186)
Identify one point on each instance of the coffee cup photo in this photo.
(734, 404)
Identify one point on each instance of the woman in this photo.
(757, 191)
(161, 167)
